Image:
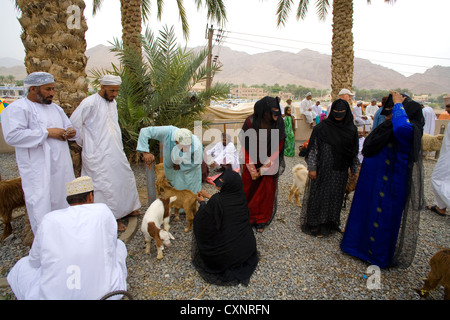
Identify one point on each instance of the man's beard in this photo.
(46, 100)
(107, 97)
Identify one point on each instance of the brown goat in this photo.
(11, 197)
(186, 200)
(161, 181)
(439, 274)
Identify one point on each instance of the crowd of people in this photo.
(67, 214)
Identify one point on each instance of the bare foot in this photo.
(121, 226)
(135, 213)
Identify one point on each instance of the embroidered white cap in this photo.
(79, 185)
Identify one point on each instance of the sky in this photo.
(409, 36)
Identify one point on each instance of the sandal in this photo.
(259, 228)
(433, 208)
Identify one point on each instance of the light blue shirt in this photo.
(378, 118)
(189, 176)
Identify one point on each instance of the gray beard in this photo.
(41, 99)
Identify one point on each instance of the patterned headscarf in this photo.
(37, 79)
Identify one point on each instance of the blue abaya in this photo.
(379, 200)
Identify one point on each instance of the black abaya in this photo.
(224, 246)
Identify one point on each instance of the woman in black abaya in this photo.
(224, 246)
(332, 150)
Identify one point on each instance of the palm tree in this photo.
(133, 12)
(157, 90)
(342, 55)
(54, 40)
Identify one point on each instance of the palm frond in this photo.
(160, 6)
(302, 9)
(145, 10)
(96, 5)
(284, 7)
(183, 18)
(322, 7)
(216, 10)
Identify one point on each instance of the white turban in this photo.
(183, 137)
(110, 80)
(308, 94)
(37, 79)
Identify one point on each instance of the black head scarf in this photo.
(231, 199)
(262, 107)
(341, 135)
(383, 134)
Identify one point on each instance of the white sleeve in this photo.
(16, 129)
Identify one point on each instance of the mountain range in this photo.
(306, 68)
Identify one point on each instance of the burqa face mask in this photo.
(388, 105)
(339, 111)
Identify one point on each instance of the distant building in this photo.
(12, 92)
(248, 93)
(285, 95)
(421, 98)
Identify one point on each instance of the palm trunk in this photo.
(342, 47)
(54, 40)
(131, 24)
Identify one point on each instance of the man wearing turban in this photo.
(38, 129)
(306, 108)
(102, 156)
(182, 155)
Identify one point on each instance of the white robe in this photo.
(75, 256)
(371, 110)
(439, 178)
(190, 174)
(305, 105)
(361, 145)
(224, 154)
(44, 164)
(359, 121)
(103, 158)
(317, 109)
(430, 120)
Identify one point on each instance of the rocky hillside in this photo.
(307, 68)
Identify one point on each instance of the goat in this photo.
(11, 197)
(156, 215)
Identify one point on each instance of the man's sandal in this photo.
(435, 210)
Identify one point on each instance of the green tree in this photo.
(158, 90)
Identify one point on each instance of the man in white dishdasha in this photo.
(102, 155)
(38, 129)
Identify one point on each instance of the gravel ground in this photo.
(292, 266)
